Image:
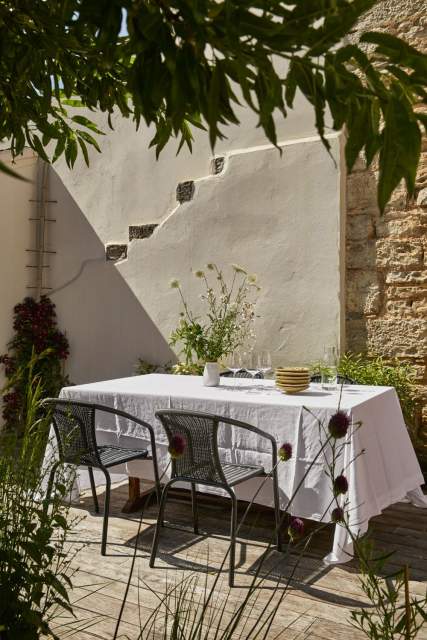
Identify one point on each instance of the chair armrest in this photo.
(127, 416)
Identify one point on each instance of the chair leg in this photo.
(277, 510)
(194, 508)
(106, 511)
(92, 486)
(159, 523)
(233, 529)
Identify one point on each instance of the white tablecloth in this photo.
(387, 472)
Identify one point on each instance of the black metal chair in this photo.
(242, 373)
(200, 463)
(74, 425)
(317, 377)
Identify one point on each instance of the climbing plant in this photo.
(36, 334)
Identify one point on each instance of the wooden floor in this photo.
(317, 602)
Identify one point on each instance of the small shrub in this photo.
(377, 370)
(34, 566)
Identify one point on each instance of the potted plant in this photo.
(227, 323)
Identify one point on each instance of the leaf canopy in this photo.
(188, 63)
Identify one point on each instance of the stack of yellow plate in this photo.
(292, 379)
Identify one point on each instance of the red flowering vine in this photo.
(36, 333)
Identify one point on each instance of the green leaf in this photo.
(88, 138)
(83, 147)
(400, 151)
(87, 123)
(291, 86)
(59, 149)
(38, 147)
(71, 152)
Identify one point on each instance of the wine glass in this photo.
(234, 363)
(249, 363)
(264, 361)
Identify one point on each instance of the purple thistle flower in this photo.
(337, 515)
(177, 446)
(285, 451)
(339, 424)
(296, 528)
(340, 484)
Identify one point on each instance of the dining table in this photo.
(376, 455)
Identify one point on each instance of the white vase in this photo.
(211, 374)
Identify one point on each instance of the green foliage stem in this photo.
(34, 564)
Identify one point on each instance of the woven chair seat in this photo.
(235, 473)
(111, 455)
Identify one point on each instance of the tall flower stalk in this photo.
(228, 320)
(183, 613)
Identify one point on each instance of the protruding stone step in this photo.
(218, 165)
(114, 252)
(185, 191)
(141, 231)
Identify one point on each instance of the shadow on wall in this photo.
(106, 325)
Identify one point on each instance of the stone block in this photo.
(406, 293)
(218, 165)
(141, 231)
(363, 292)
(406, 277)
(399, 198)
(356, 335)
(422, 198)
(185, 191)
(361, 255)
(397, 337)
(392, 254)
(411, 225)
(406, 308)
(361, 191)
(360, 227)
(421, 179)
(114, 252)
(420, 373)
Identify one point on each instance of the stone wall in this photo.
(386, 307)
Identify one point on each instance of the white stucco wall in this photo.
(106, 325)
(277, 215)
(16, 233)
(125, 185)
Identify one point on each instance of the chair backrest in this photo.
(340, 379)
(242, 373)
(197, 433)
(74, 425)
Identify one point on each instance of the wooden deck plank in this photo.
(316, 606)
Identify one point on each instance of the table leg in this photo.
(135, 500)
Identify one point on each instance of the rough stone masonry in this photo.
(386, 264)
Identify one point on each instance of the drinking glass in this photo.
(264, 361)
(234, 363)
(329, 373)
(249, 363)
